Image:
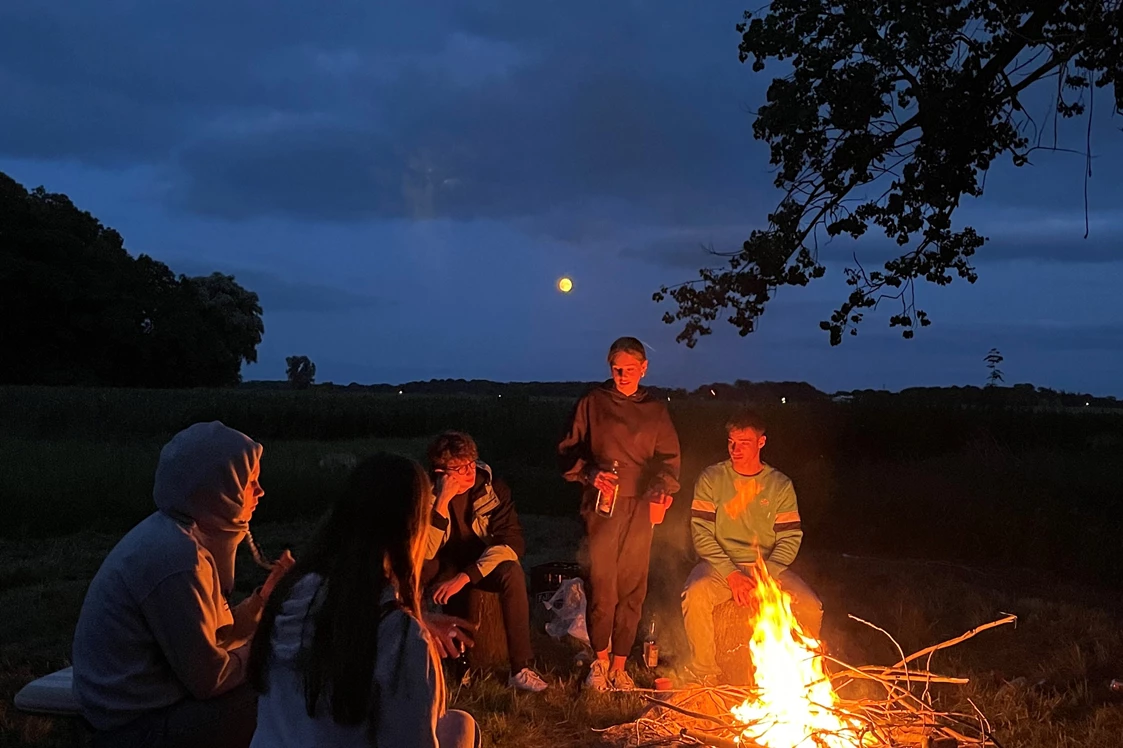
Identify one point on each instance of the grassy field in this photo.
(1042, 684)
(988, 487)
(927, 522)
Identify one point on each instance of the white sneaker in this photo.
(619, 680)
(597, 679)
(527, 680)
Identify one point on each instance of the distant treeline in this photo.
(1019, 395)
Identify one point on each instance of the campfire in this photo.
(793, 698)
(793, 701)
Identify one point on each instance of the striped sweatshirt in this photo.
(735, 518)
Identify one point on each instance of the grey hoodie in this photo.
(155, 627)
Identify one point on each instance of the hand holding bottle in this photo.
(607, 490)
(605, 481)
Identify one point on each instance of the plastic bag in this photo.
(568, 607)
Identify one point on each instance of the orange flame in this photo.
(794, 703)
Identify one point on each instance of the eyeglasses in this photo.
(466, 469)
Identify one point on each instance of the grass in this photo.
(983, 511)
(1043, 683)
(986, 487)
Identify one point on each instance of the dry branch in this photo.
(1008, 618)
(904, 717)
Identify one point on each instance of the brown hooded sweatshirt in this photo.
(635, 430)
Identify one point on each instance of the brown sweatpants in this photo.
(619, 551)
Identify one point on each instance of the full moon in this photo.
(565, 285)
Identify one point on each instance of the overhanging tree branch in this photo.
(834, 125)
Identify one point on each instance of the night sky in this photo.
(404, 183)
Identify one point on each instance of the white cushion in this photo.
(51, 694)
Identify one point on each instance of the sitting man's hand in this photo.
(280, 567)
(450, 634)
(743, 587)
(445, 590)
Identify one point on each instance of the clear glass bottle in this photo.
(606, 502)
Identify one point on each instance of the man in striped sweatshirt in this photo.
(743, 510)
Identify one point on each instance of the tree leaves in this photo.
(892, 114)
(301, 372)
(77, 309)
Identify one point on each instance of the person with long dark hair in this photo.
(341, 657)
(619, 423)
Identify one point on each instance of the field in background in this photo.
(925, 521)
(1015, 488)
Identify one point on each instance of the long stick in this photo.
(688, 713)
(720, 742)
(874, 672)
(1009, 618)
(895, 644)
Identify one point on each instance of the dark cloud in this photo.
(113, 82)
(536, 141)
(688, 249)
(569, 119)
(501, 110)
(1031, 339)
(278, 294)
(1034, 240)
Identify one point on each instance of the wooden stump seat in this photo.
(490, 650)
(732, 634)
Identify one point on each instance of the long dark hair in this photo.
(374, 530)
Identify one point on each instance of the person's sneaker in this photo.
(527, 680)
(619, 680)
(597, 679)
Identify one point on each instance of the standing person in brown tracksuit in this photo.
(618, 421)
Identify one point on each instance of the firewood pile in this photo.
(902, 715)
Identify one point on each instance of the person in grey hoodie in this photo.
(342, 657)
(159, 655)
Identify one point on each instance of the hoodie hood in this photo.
(201, 482)
(639, 396)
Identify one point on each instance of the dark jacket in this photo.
(634, 430)
(494, 521)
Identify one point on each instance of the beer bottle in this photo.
(606, 501)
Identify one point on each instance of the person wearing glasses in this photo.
(475, 541)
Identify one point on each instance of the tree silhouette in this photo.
(77, 309)
(300, 371)
(892, 114)
(993, 359)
